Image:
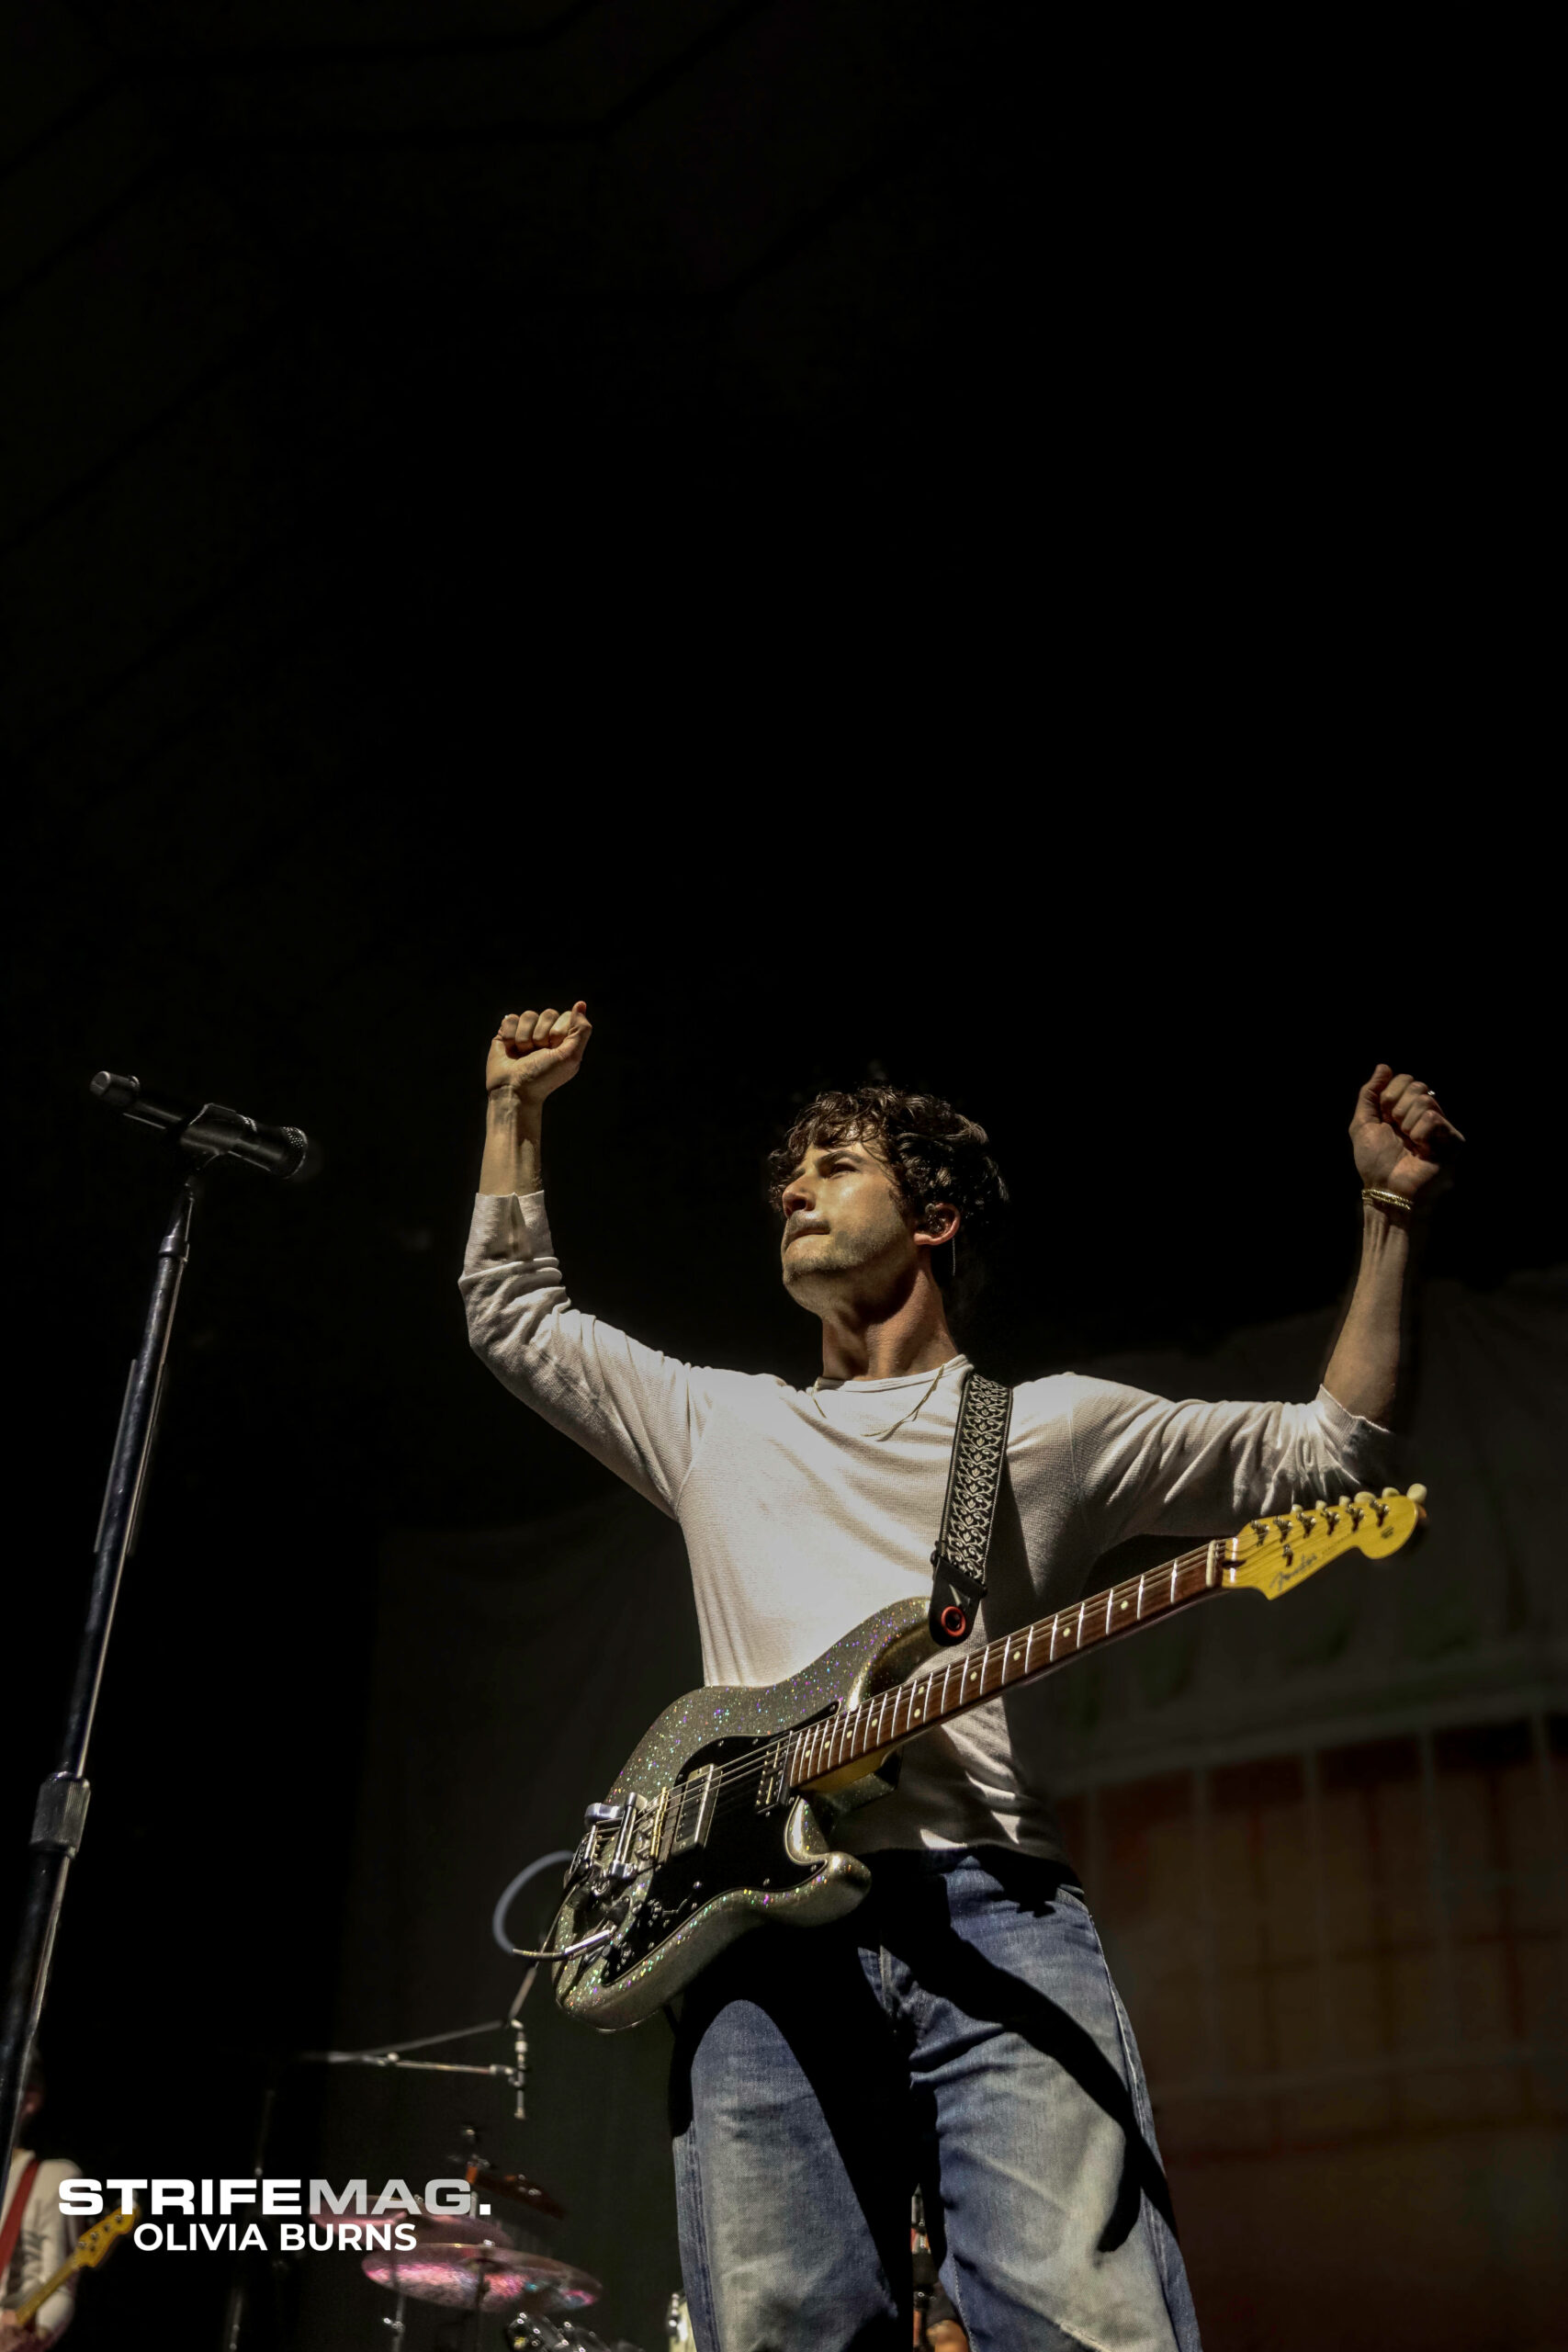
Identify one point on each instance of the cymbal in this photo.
(427, 2226)
(515, 2186)
(491, 2277)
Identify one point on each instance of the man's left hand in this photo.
(1403, 1140)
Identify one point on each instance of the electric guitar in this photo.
(91, 2249)
(722, 1819)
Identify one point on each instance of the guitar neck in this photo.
(88, 2252)
(966, 1678)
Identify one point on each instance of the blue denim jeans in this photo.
(959, 2030)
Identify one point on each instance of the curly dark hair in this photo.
(933, 1153)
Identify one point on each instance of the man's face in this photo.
(846, 1227)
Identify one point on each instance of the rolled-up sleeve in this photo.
(637, 1411)
(1147, 1466)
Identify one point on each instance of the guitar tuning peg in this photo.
(1417, 1494)
(1392, 1493)
(1363, 1496)
(1343, 1502)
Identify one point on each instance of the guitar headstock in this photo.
(93, 2244)
(1274, 1554)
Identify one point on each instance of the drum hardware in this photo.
(467, 2261)
(470, 2263)
(513, 2188)
(390, 2055)
(529, 2332)
(393, 2053)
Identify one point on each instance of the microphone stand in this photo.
(63, 1800)
(213, 1133)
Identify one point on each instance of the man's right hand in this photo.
(532, 1053)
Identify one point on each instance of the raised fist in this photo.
(1403, 1141)
(532, 1053)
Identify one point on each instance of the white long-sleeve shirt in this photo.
(803, 1510)
(44, 2242)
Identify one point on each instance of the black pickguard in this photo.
(744, 1849)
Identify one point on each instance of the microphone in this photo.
(213, 1130)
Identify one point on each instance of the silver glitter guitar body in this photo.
(701, 1838)
(722, 1820)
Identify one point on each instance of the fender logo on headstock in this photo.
(1277, 1553)
(1283, 1578)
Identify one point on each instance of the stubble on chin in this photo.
(802, 1262)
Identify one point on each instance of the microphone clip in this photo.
(212, 1132)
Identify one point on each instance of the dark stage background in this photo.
(925, 540)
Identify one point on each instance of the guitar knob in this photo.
(1417, 1494)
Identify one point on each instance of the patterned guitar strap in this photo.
(974, 1483)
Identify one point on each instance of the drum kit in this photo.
(468, 2263)
(473, 2266)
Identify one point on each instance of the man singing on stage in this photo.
(960, 2028)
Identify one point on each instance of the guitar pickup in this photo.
(694, 1815)
(771, 1787)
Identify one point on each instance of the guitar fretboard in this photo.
(967, 1679)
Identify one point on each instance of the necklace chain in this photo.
(876, 1436)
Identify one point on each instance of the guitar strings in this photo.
(1188, 1577)
(734, 1784)
(841, 1732)
(1177, 1573)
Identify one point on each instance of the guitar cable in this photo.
(568, 1952)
